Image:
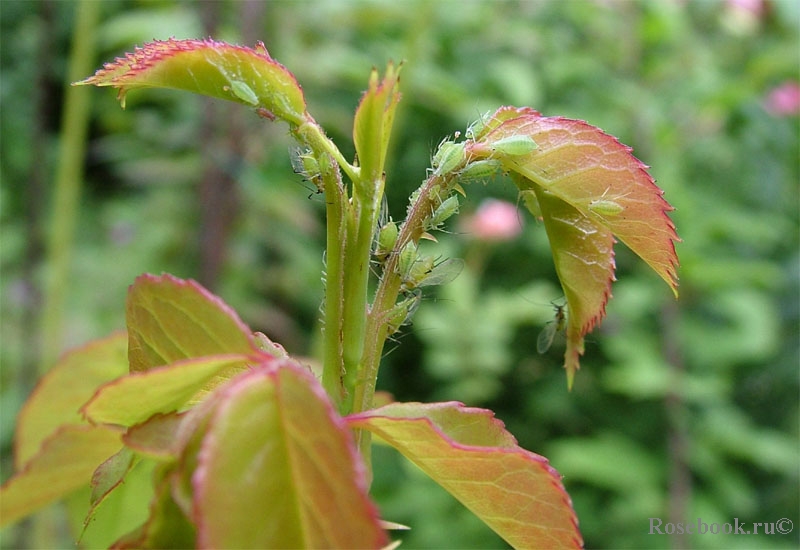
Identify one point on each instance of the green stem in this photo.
(356, 281)
(388, 290)
(68, 182)
(336, 210)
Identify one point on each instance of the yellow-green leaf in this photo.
(135, 398)
(64, 463)
(171, 319)
(236, 73)
(275, 444)
(469, 453)
(59, 395)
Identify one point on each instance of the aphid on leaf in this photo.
(243, 92)
(514, 146)
(548, 333)
(606, 207)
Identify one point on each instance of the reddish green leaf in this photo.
(64, 463)
(135, 398)
(59, 394)
(583, 253)
(245, 75)
(278, 469)
(171, 319)
(157, 437)
(589, 189)
(469, 453)
(373, 122)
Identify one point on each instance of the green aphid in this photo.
(606, 207)
(442, 273)
(402, 312)
(449, 156)
(441, 214)
(514, 146)
(406, 260)
(244, 92)
(387, 236)
(548, 333)
(481, 170)
(418, 271)
(477, 127)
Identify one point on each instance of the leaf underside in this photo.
(588, 188)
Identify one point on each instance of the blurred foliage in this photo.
(682, 409)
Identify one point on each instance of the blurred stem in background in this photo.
(65, 203)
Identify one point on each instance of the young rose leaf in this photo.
(274, 443)
(121, 489)
(58, 396)
(64, 463)
(236, 73)
(583, 253)
(470, 453)
(589, 189)
(157, 437)
(372, 126)
(166, 526)
(171, 319)
(135, 398)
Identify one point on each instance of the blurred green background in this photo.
(682, 410)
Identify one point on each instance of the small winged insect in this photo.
(442, 273)
(548, 333)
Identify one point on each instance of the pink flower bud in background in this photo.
(494, 220)
(784, 100)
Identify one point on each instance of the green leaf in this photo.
(64, 463)
(236, 73)
(171, 319)
(58, 396)
(275, 443)
(589, 188)
(135, 398)
(166, 526)
(121, 489)
(469, 453)
(372, 126)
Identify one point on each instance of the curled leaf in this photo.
(588, 188)
(236, 73)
